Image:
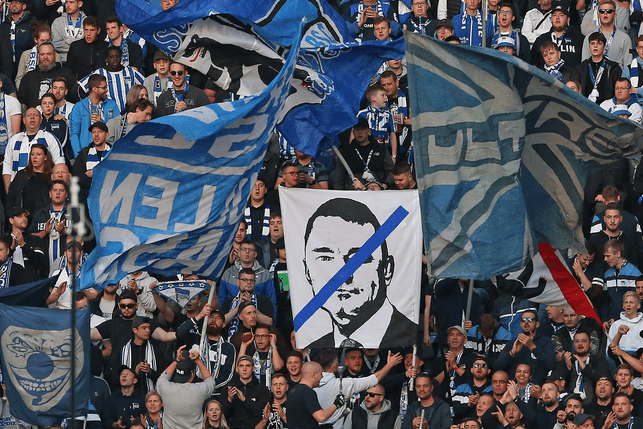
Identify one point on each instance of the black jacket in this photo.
(605, 85)
(245, 414)
(83, 58)
(37, 83)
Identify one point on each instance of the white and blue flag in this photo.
(182, 291)
(502, 154)
(36, 345)
(169, 196)
(241, 46)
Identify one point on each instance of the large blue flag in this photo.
(170, 195)
(502, 154)
(241, 46)
(36, 345)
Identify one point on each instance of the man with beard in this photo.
(37, 82)
(119, 331)
(375, 410)
(547, 415)
(580, 369)
(436, 411)
(466, 395)
(531, 348)
(573, 407)
(217, 354)
(601, 406)
(621, 416)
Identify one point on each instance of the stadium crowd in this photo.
(75, 79)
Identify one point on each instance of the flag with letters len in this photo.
(241, 46)
(35, 345)
(502, 154)
(170, 195)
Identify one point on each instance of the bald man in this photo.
(303, 406)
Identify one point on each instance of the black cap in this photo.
(362, 123)
(582, 418)
(17, 211)
(160, 55)
(280, 244)
(484, 359)
(183, 371)
(129, 294)
(139, 320)
(445, 23)
(561, 7)
(100, 125)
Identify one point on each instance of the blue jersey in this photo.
(381, 123)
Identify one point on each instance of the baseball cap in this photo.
(444, 23)
(183, 371)
(17, 211)
(160, 55)
(129, 294)
(362, 123)
(505, 41)
(621, 109)
(100, 125)
(560, 6)
(582, 418)
(139, 320)
(459, 328)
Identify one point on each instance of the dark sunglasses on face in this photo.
(130, 306)
(177, 72)
(528, 319)
(373, 394)
(479, 365)
(608, 11)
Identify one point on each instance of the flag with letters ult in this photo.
(241, 46)
(502, 153)
(354, 264)
(170, 195)
(35, 345)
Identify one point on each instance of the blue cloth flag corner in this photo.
(169, 197)
(502, 153)
(241, 46)
(35, 345)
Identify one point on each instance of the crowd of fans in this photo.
(75, 80)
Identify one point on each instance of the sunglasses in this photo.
(527, 319)
(130, 306)
(479, 365)
(373, 394)
(607, 11)
(179, 72)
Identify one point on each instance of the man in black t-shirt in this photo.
(119, 331)
(304, 411)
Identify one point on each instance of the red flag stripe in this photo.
(568, 285)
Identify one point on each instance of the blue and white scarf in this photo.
(54, 235)
(158, 88)
(92, 156)
(5, 273)
(74, 30)
(258, 367)
(33, 59)
(265, 227)
(4, 129)
(234, 325)
(555, 69)
(181, 96)
(124, 51)
(150, 357)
